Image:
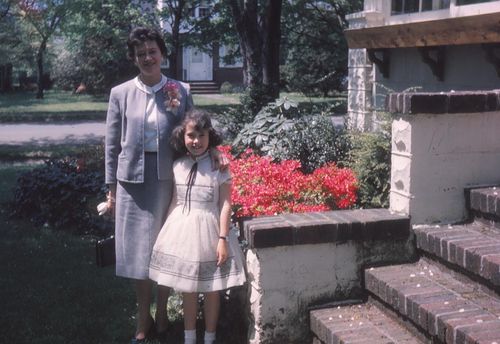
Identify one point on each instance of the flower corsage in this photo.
(172, 96)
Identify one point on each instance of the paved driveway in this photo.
(42, 134)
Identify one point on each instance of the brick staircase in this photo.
(451, 295)
(204, 87)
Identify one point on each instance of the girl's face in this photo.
(148, 59)
(196, 141)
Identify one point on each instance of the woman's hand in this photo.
(219, 160)
(222, 252)
(111, 199)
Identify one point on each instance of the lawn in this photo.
(63, 106)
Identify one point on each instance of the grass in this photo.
(56, 106)
(64, 106)
(50, 288)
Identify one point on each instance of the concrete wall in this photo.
(436, 155)
(286, 280)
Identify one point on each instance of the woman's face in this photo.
(196, 141)
(148, 59)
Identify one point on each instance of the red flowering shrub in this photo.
(262, 187)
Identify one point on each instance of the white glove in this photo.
(102, 208)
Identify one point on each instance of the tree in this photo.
(257, 24)
(44, 16)
(95, 51)
(15, 47)
(179, 24)
(316, 49)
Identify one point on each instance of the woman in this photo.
(141, 115)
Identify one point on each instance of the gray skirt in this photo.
(141, 210)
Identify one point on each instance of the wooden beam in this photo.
(479, 29)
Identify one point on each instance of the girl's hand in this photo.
(222, 252)
(219, 160)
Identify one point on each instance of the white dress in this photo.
(184, 256)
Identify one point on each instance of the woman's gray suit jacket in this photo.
(124, 150)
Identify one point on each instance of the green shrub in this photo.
(313, 140)
(226, 87)
(269, 123)
(256, 97)
(64, 194)
(231, 121)
(284, 131)
(370, 158)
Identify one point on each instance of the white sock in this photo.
(190, 337)
(209, 337)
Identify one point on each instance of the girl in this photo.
(194, 252)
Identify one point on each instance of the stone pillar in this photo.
(360, 91)
(441, 144)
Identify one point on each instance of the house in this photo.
(424, 45)
(206, 72)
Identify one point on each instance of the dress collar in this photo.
(200, 157)
(150, 89)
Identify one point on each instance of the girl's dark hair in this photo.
(141, 34)
(201, 121)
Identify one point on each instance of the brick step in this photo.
(446, 306)
(472, 248)
(484, 204)
(363, 323)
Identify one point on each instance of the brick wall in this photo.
(299, 261)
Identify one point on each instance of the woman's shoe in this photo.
(149, 334)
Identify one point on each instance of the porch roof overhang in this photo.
(477, 29)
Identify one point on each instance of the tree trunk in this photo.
(260, 47)
(271, 47)
(39, 63)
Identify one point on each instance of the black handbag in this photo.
(105, 252)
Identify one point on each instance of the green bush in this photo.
(313, 141)
(231, 120)
(64, 194)
(269, 124)
(370, 158)
(226, 87)
(283, 130)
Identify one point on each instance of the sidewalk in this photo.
(44, 134)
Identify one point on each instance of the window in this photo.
(223, 52)
(413, 6)
(196, 56)
(203, 12)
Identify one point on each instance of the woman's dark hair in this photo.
(141, 34)
(201, 121)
